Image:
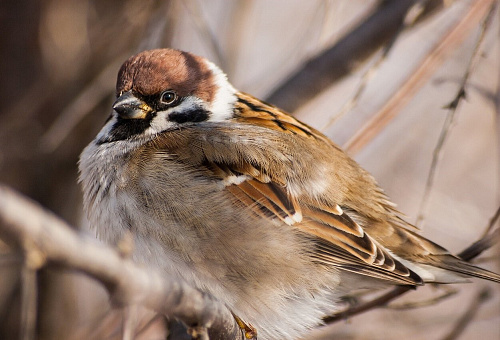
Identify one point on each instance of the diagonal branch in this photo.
(411, 17)
(482, 296)
(47, 239)
(321, 71)
(450, 117)
(418, 78)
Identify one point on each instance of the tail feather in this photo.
(459, 266)
(463, 268)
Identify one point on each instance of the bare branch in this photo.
(46, 238)
(493, 220)
(28, 303)
(321, 71)
(100, 87)
(424, 303)
(450, 117)
(485, 242)
(196, 13)
(464, 321)
(418, 78)
(411, 16)
(366, 306)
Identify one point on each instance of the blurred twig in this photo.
(419, 77)
(450, 117)
(366, 306)
(100, 88)
(319, 72)
(469, 315)
(493, 220)
(102, 85)
(193, 7)
(47, 238)
(28, 303)
(148, 324)
(487, 240)
(430, 302)
(412, 14)
(345, 56)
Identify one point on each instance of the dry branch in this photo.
(418, 78)
(379, 60)
(47, 239)
(482, 296)
(450, 118)
(341, 59)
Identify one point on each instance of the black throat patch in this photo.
(125, 128)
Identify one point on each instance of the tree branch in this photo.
(47, 239)
(321, 71)
(450, 117)
(418, 78)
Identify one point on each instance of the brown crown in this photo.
(151, 72)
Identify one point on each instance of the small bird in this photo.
(243, 201)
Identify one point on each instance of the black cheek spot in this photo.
(194, 116)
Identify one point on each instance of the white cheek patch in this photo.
(161, 121)
(223, 102)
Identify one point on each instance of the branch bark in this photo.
(341, 59)
(45, 238)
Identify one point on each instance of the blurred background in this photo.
(377, 77)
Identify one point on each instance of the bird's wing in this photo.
(339, 241)
(258, 166)
(282, 169)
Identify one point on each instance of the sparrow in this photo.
(244, 202)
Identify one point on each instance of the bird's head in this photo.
(164, 89)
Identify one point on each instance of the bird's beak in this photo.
(129, 106)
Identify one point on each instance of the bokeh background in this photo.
(375, 76)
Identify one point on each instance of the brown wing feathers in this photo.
(257, 172)
(340, 241)
(253, 111)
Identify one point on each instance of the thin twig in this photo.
(29, 294)
(410, 19)
(129, 322)
(98, 322)
(483, 296)
(418, 78)
(450, 117)
(156, 29)
(193, 7)
(493, 220)
(485, 242)
(148, 324)
(363, 307)
(425, 303)
(341, 59)
(90, 97)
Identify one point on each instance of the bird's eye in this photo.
(168, 97)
